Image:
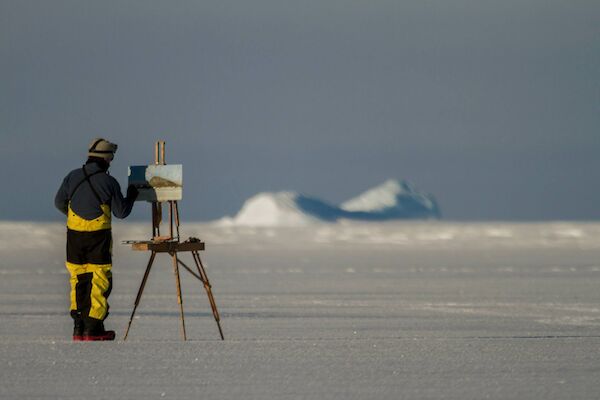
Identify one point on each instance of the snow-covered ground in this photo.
(350, 310)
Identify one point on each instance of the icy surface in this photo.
(330, 311)
(391, 200)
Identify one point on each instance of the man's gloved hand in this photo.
(132, 192)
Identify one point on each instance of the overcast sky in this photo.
(492, 106)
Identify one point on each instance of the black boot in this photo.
(94, 330)
(77, 326)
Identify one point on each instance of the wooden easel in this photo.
(172, 245)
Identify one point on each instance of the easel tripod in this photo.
(171, 245)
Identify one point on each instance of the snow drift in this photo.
(388, 201)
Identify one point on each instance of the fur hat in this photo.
(102, 148)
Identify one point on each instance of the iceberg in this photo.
(392, 200)
(389, 201)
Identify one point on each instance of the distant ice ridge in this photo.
(277, 209)
(388, 201)
(392, 200)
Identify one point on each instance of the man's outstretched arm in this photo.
(121, 206)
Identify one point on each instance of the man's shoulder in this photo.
(95, 175)
(113, 181)
(74, 172)
(106, 180)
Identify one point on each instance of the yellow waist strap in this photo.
(77, 223)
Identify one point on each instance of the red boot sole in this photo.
(98, 338)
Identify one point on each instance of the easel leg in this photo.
(176, 218)
(208, 289)
(140, 291)
(179, 297)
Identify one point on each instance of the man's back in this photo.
(80, 193)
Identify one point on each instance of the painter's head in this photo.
(102, 148)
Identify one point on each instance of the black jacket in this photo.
(84, 202)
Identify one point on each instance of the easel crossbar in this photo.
(190, 270)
